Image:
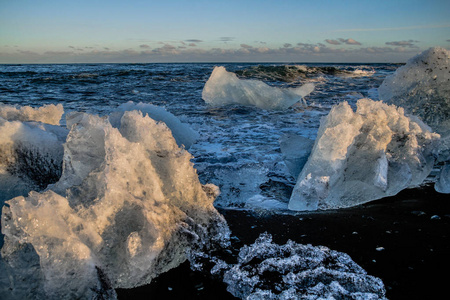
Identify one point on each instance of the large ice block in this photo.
(223, 88)
(360, 156)
(127, 208)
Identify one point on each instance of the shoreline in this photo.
(401, 239)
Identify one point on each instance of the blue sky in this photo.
(219, 31)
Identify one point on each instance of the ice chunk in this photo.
(296, 150)
(443, 183)
(265, 270)
(223, 88)
(50, 114)
(126, 209)
(365, 155)
(31, 156)
(183, 134)
(422, 88)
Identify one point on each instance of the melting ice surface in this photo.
(422, 88)
(265, 270)
(183, 134)
(50, 114)
(127, 207)
(31, 152)
(360, 156)
(224, 88)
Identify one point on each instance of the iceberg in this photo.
(422, 88)
(365, 155)
(266, 270)
(224, 88)
(127, 207)
(50, 114)
(183, 134)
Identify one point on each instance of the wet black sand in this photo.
(404, 240)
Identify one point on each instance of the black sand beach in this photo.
(404, 240)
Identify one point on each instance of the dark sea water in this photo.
(239, 147)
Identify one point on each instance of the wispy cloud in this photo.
(394, 28)
(350, 42)
(193, 41)
(343, 41)
(174, 52)
(226, 39)
(333, 42)
(410, 43)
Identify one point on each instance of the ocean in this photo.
(238, 150)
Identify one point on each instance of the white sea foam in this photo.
(365, 155)
(223, 88)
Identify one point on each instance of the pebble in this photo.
(418, 213)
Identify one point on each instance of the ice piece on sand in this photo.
(422, 88)
(50, 114)
(266, 270)
(31, 157)
(443, 183)
(183, 134)
(365, 155)
(296, 150)
(223, 88)
(127, 208)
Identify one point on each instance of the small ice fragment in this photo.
(380, 248)
(266, 270)
(435, 217)
(418, 213)
(443, 183)
(296, 150)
